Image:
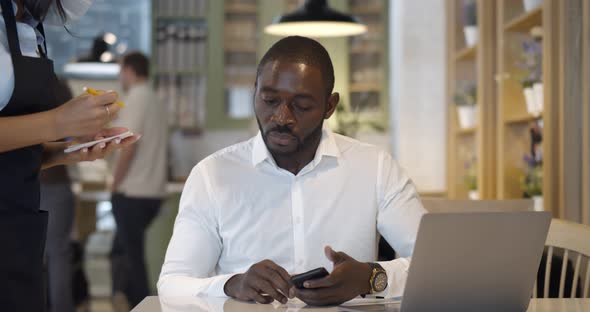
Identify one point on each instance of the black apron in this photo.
(23, 227)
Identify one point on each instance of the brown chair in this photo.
(573, 239)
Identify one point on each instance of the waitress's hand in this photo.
(85, 115)
(54, 152)
(102, 150)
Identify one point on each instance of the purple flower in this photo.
(530, 161)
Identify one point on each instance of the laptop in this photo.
(474, 261)
(484, 261)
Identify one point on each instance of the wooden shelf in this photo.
(524, 118)
(467, 53)
(237, 8)
(466, 131)
(364, 87)
(526, 21)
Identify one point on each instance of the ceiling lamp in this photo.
(315, 19)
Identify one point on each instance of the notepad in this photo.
(92, 143)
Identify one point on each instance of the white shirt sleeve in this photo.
(6, 72)
(400, 211)
(195, 245)
(27, 37)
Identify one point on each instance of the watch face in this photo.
(380, 282)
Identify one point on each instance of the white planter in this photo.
(538, 95)
(538, 203)
(530, 5)
(471, 35)
(529, 98)
(467, 116)
(473, 195)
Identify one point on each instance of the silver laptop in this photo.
(484, 261)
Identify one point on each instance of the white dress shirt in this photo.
(238, 208)
(29, 38)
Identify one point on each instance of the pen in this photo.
(94, 92)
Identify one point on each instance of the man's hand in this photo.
(264, 282)
(349, 279)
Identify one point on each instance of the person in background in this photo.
(293, 198)
(57, 199)
(139, 182)
(32, 121)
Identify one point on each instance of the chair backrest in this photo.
(573, 239)
(447, 205)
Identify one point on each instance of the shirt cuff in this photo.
(216, 287)
(397, 273)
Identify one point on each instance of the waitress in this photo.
(31, 121)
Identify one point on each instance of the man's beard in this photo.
(301, 143)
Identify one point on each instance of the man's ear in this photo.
(333, 101)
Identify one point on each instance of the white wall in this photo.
(418, 114)
(188, 151)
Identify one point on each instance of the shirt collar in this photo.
(327, 147)
(28, 20)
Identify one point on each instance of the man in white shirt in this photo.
(257, 212)
(139, 182)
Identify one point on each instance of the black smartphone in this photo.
(298, 279)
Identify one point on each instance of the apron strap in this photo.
(41, 30)
(11, 30)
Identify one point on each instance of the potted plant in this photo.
(470, 22)
(465, 99)
(532, 181)
(347, 122)
(532, 81)
(471, 178)
(530, 5)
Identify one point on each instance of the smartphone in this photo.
(299, 279)
(89, 144)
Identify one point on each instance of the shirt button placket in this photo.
(298, 230)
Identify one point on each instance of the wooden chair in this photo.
(573, 239)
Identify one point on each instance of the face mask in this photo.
(74, 9)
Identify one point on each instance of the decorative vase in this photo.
(538, 203)
(530, 5)
(471, 35)
(538, 96)
(467, 116)
(529, 98)
(473, 195)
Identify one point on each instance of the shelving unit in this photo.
(474, 64)
(368, 62)
(514, 140)
(503, 135)
(240, 47)
(179, 58)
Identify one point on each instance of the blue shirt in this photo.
(29, 39)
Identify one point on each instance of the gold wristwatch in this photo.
(378, 280)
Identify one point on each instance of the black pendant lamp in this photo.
(316, 19)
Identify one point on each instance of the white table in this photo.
(184, 304)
